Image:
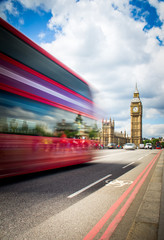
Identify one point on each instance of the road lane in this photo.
(28, 201)
(128, 165)
(89, 186)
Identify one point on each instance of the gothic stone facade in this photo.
(108, 134)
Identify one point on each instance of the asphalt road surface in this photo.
(67, 203)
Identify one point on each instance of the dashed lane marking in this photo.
(89, 186)
(128, 165)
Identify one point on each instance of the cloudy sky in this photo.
(112, 44)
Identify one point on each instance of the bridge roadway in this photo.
(97, 200)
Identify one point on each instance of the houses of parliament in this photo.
(108, 133)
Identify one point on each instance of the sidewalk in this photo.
(161, 218)
(149, 221)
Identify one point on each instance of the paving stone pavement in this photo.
(149, 221)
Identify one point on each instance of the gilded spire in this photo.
(136, 93)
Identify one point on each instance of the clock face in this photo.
(135, 109)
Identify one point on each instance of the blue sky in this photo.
(34, 22)
(29, 22)
(112, 44)
(148, 12)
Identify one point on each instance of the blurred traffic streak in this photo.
(22, 154)
(47, 110)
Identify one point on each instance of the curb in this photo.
(161, 218)
(148, 223)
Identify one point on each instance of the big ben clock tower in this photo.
(136, 118)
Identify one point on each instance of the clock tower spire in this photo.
(136, 118)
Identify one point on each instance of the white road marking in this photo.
(101, 156)
(142, 157)
(85, 188)
(128, 165)
(146, 154)
(119, 183)
(110, 155)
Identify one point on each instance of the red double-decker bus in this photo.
(46, 109)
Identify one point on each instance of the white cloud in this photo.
(33, 4)
(7, 6)
(123, 126)
(41, 35)
(159, 7)
(151, 113)
(103, 51)
(107, 47)
(155, 130)
(21, 21)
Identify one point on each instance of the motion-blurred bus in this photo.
(46, 109)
